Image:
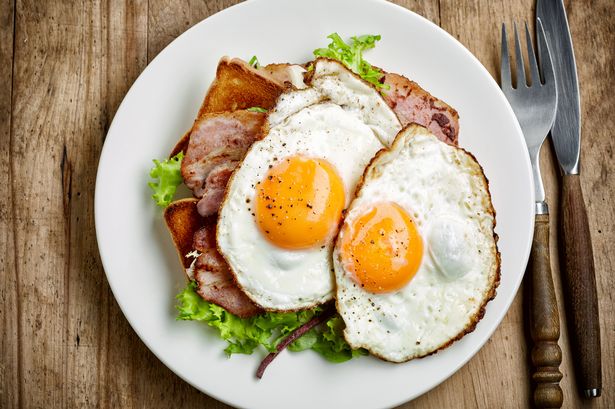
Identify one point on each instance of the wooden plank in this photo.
(167, 20)
(9, 294)
(99, 330)
(122, 38)
(36, 151)
(429, 9)
(73, 64)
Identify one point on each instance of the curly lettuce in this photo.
(254, 62)
(351, 55)
(328, 340)
(256, 109)
(244, 335)
(167, 176)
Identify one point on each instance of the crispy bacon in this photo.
(412, 103)
(216, 183)
(217, 143)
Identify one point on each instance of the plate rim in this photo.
(220, 14)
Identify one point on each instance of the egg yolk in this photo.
(382, 248)
(299, 203)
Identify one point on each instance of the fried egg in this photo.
(416, 259)
(285, 201)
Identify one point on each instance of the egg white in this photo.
(339, 118)
(444, 190)
(273, 277)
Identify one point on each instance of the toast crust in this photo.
(239, 86)
(182, 144)
(183, 220)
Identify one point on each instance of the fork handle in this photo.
(579, 281)
(544, 321)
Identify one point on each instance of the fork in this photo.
(535, 105)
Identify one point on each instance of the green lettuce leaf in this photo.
(254, 62)
(328, 340)
(256, 109)
(307, 341)
(352, 56)
(168, 175)
(244, 335)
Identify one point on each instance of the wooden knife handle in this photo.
(579, 282)
(544, 321)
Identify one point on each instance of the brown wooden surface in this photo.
(579, 284)
(65, 67)
(543, 321)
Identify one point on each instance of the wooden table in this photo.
(65, 67)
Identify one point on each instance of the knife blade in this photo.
(566, 131)
(578, 276)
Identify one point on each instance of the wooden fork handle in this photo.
(579, 281)
(544, 321)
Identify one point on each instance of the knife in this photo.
(578, 277)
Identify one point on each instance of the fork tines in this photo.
(534, 76)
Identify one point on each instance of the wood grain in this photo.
(36, 152)
(544, 320)
(9, 294)
(579, 280)
(64, 68)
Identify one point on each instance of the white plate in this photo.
(137, 252)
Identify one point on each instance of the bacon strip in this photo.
(239, 86)
(412, 103)
(217, 143)
(215, 281)
(291, 75)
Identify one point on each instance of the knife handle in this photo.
(544, 321)
(579, 280)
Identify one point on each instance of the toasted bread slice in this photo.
(240, 86)
(183, 220)
(182, 144)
